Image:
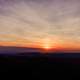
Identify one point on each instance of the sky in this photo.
(40, 22)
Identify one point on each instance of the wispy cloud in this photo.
(36, 20)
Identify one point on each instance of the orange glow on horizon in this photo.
(46, 45)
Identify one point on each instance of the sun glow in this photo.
(47, 47)
(46, 44)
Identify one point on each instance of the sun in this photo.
(46, 44)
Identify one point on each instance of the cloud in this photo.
(35, 20)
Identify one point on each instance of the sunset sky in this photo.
(52, 23)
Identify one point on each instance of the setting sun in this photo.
(46, 44)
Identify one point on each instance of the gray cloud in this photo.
(38, 19)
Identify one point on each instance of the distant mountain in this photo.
(24, 50)
(12, 49)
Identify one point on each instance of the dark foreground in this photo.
(36, 63)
